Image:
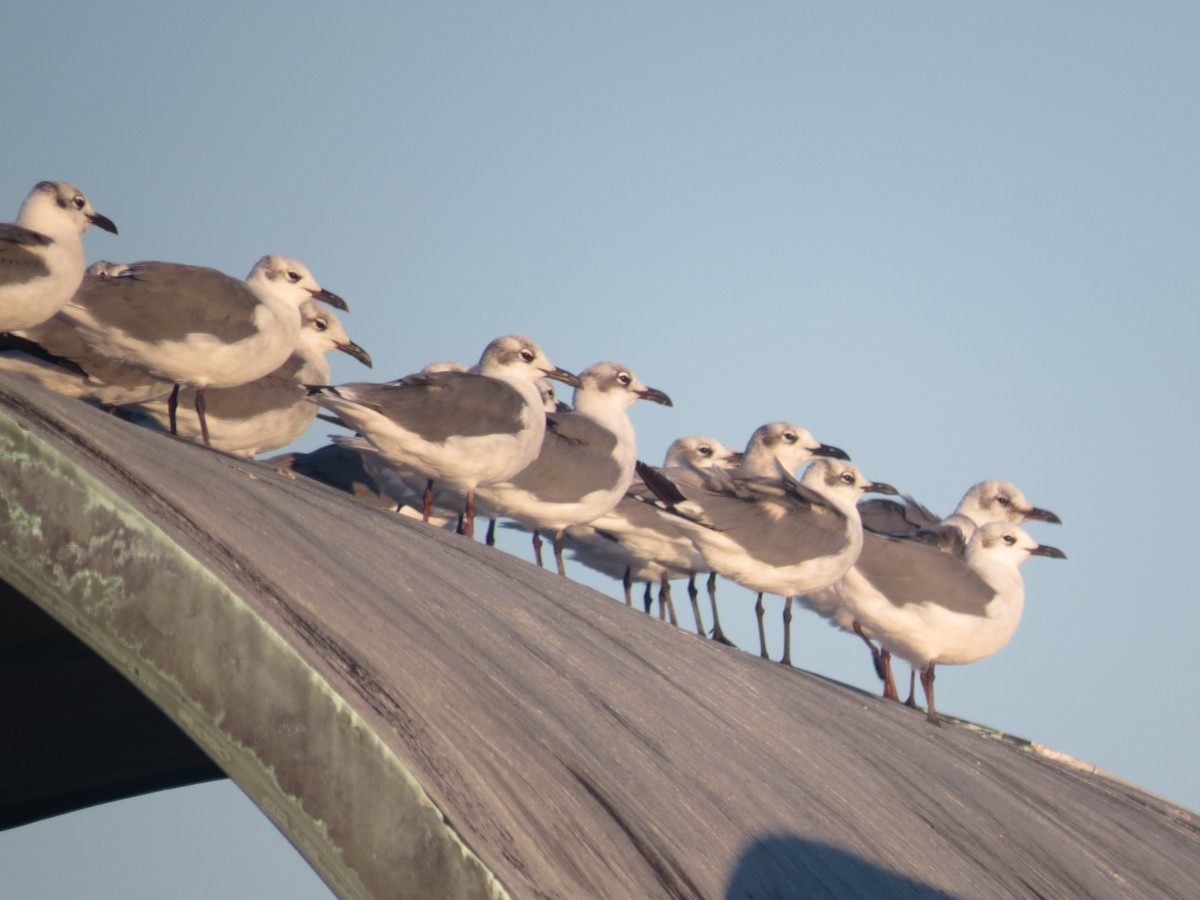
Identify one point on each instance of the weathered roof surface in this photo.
(424, 716)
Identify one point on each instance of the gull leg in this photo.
(882, 660)
(537, 548)
(648, 599)
(558, 549)
(491, 533)
(786, 659)
(200, 407)
(927, 676)
(469, 515)
(762, 633)
(427, 502)
(665, 604)
(627, 583)
(694, 596)
(717, 633)
(912, 689)
(173, 408)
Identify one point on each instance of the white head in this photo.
(840, 482)
(289, 279)
(609, 385)
(1000, 501)
(701, 452)
(57, 209)
(1006, 544)
(517, 358)
(322, 331)
(789, 445)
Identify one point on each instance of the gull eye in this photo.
(79, 202)
(321, 324)
(293, 276)
(1009, 539)
(527, 355)
(705, 450)
(1002, 500)
(625, 379)
(847, 478)
(790, 437)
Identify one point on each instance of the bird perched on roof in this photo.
(457, 429)
(984, 503)
(634, 542)
(931, 607)
(272, 411)
(585, 463)
(41, 254)
(772, 535)
(193, 326)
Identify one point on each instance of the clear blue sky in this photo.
(958, 241)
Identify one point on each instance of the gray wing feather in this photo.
(20, 260)
(909, 571)
(576, 458)
(445, 404)
(159, 301)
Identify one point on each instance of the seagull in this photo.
(458, 429)
(272, 411)
(585, 463)
(196, 327)
(634, 543)
(986, 502)
(928, 606)
(772, 447)
(41, 254)
(774, 535)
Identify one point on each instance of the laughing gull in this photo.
(41, 254)
(634, 543)
(457, 429)
(272, 411)
(585, 463)
(984, 503)
(196, 327)
(772, 447)
(773, 535)
(928, 606)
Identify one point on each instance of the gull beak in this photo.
(654, 394)
(734, 457)
(102, 222)
(561, 375)
(330, 298)
(1043, 550)
(357, 352)
(1042, 515)
(879, 487)
(834, 452)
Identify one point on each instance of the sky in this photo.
(956, 240)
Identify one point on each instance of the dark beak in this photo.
(734, 458)
(1052, 552)
(561, 375)
(878, 487)
(656, 395)
(835, 452)
(1042, 515)
(330, 298)
(357, 352)
(102, 222)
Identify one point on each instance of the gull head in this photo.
(701, 452)
(839, 481)
(289, 279)
(518, 358)
(1000, 501)
(784, 443)
(611, 385)
(1004, 542)
(57, 209)
(321, 329)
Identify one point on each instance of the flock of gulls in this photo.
(240, 366)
